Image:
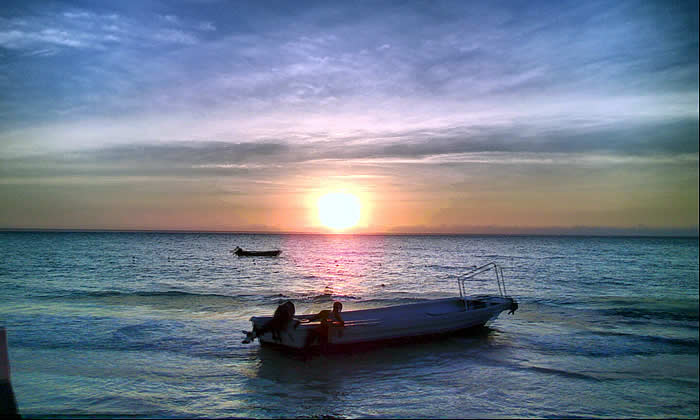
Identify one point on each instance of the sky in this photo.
(441, 117)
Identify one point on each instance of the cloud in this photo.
(323, 83)
(323, 58)
(16, 39)
(171, 18)
(555, 231)
(385, 154)
(206, 26)
(175, 36)
(81, 29)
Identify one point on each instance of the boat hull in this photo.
(242, 253)
(392, 324)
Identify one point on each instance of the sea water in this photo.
(149, 325)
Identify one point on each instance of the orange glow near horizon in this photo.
(339, 210)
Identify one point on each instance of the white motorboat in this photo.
(392, 323)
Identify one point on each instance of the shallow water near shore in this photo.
(149, 325)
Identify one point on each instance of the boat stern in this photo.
(293, 335)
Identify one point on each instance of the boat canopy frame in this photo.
(484, 268)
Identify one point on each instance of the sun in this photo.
(339, 210)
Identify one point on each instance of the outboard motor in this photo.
(279, 322)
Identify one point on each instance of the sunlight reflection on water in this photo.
(149, 324)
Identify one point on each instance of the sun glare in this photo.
(339, 211)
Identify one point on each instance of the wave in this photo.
(326, 297)
(630, 309)
(172, 300)
(143, 294)
(680, 314)
(688, 343)
(178, 299)
(559, 372)
(169, 293)
(448, 267)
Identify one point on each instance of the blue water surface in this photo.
(149, 324)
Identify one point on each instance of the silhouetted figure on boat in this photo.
(279, 322)
(327, 319)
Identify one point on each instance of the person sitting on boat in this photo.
(327, 319)
(279, 322)
(328, 316)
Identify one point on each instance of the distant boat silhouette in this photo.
(243, 253)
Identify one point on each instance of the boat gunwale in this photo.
(351, 315)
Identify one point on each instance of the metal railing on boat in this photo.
(484, 268)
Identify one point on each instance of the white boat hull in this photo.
(434, 317)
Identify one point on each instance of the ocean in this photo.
(121, 324)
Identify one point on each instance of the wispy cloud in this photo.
(432, 99)
(522, 144)
(206, 26)
(82, 29)
(469, 55)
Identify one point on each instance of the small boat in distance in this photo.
(360, 328)
(242, 253)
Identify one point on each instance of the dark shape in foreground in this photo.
(328, 332)
(243, 253)
(8, 404)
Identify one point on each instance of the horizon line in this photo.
(542, 232)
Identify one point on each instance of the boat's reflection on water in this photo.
(329, 383)
(280, 364)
